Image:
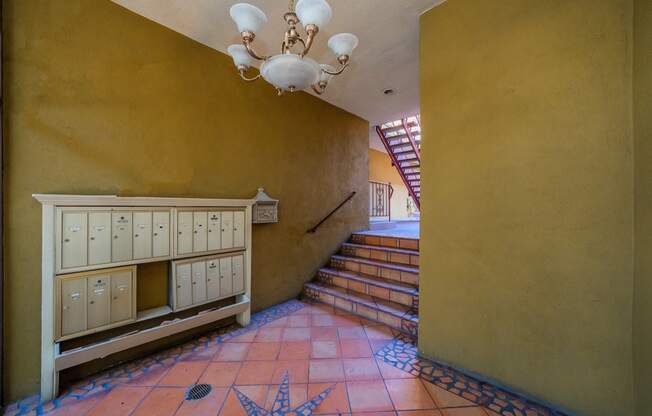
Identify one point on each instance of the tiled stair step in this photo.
(391, 271)
(386, 241)
(393, 314)
(393, 255)
(379, 288)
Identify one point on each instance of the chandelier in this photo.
(291, 70)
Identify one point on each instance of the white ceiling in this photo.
(387, 56)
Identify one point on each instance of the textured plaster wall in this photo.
(643, 146)
(381, 170)
(102, 101)
(527, 189)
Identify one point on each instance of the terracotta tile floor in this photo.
(315, 346)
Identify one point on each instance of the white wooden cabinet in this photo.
(203, 280)
(142, 233)
(161, 234)
(99, 237)
(89, 302)
(91, 246)
(121, 245)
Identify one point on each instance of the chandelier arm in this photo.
(319, 90)
(338, 72)
(244, 77)
(312, 33)
(250, 50)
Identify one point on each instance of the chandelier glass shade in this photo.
(291, 70)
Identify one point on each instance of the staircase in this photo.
(402, 139)
(374, 277)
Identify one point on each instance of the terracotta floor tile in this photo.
(355, 348)
(208, 406)
(150, 378)
(361, 369)
(352, 332)
(296, 334)
(296, 369)
(122, 400)
(161, 401)
(295, 350)
(220, 374)
(337, 401)
(378, 344)
(325, 349)
(232, 406)
(322, 309)
(269, 335)
(409, 394)
(303, 311)
(256, 372)
(299, 321)
(378, 332)
(368, 396)
(79, 407)
(204, 354)
(326, 370)
(420, 413)
(298, 395)
(277, 323)
(246, 337)
(323, 320)
(374, 414)
(232, 352)
(346, 320)
(323, 334)
(263, 351)
(184, 373)
(391, 372)
(463, 411)
(443, 398)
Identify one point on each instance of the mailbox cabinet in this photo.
(198, 281)
(205, 231)
(90, 302)
(90, 238)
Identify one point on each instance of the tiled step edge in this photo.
(372, 286)
(386, 241)
(391, 271)
(407, 322)
(389, 254)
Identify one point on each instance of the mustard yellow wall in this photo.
(102, 101)
(643, 242)
(526, 110)
(381, 170)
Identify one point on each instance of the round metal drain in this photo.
(198, 391)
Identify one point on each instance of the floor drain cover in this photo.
(198, 391)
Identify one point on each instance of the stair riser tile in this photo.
(372, 314)
(372, 290)
(396, 275)
(381, 255)
(392, 242)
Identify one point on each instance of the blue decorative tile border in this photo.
(106, 381)
(402, 353)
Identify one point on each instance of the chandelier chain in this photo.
(291, 6)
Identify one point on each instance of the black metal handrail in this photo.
(314, 229)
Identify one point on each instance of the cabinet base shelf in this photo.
(153, 313)
(103, 349)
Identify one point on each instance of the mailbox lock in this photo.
(92, 238)
(115, 237)
(180, 233)
(195, 231)
(155, 234)
(67, 240)
(136, 235)
(92, 302)
(178, 286)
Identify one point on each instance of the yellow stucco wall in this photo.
(381, 170)
(643, 242)
(526, 110)
(102, 101)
